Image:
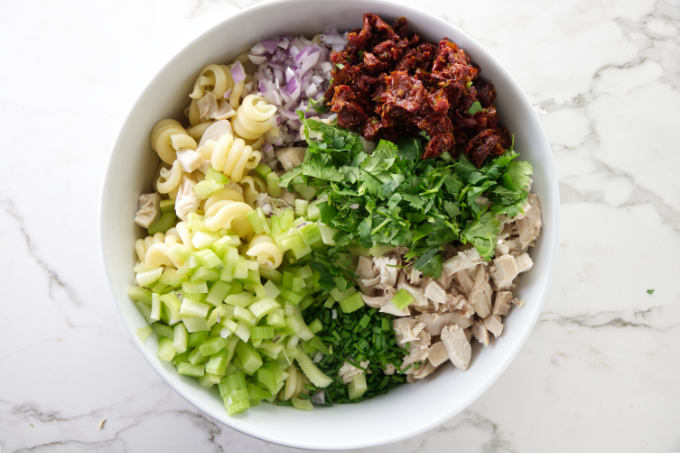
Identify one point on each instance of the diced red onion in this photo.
(269, 45)
(257, 49)
(237, 72)
(227, 94)
(257, 59)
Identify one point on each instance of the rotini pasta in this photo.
(232, 192)
(230, 215)
(253, 117)
(231, 156)
(215, 79)
(157, 250)
(169, 180)
(263, 249)
(168, 137)
(252, 187)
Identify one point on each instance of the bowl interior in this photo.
(384, 419)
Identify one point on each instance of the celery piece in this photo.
(205, 274)
(271, 274)
(180, 338)
(262, 170)
(273, 188)
(193, 309)
(271, 350)
(147, 278)
(301, 207)
(197, 338)
(250, 358)
(276, 318)
(208, 258)
(263, 307)
(166, 350)
(194, 221)
(212, 345)
(239, 300)
(137, 294)
(352, 303)
(242, 331)
(208, 380)
(218, 292)
(167, 205)
(170, 308)
(143, 333)
(187, 369)
(315, 326)
(327, 234)
(297, 285)
(217, 364)
(244, 315)
(302, 404)
(219, 314)
(145, 310)
(267, 378)
(357, 386)
(291, 384)
(195, 324)
(206, 188)
(306, 302)
(237, 407)
(163, 223)
(305, 191)
(287, 281)
(217, 176)
(240, 271)
(271, 290)
(291, 296)
(220, 245)
(160, 288)
(200, 287)
(162, 330)
(262, 332)
(196, 358)
(402, 299)
(310, 234)
(329, 303)
(171, 277)
(319, 345)
(155, 314)
(304, 272)
(256, 222)
(313, 212)
(313, 373)
(257, 289)
(257, 394)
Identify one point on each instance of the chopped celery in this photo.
(166, 350)
(162, 330)
(327, 234)
(273, 188)
(352, 303)
(307, 192)
(145, 310)
(143, 333)
(187, 369)
(220, 246)
(291, 296)
(208, 380)
(301, 207)
(196, 357)
(147, 278)
(206, 188)
(313, 373)
(218, 291)
(311, 234)
(239, 300)
(249, 357)
(167, 205)
(193, 309)
(263, 307)
(195, 287)
(257, 221)
(262, 170)
(155, 307)
(276, 318)
(137, 294)
(212, 345)
(220, 313)
(195, 324)
(357, 386)
(180, 338)
(315, 325)
(205, 274)
(163, 223)
(217, 364)
(208, 258)
(262, 332)
(302, 404)
(242, 331)
(172, 305)
(197, 338)
(402, 299)
(171, 277)
(216, 176)
(271, 350)
(313, 212)
(271, 274)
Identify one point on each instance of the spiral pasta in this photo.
(252, 187)
(215, 79)
(253, 117)
(155, 251)
(168, 137)
(263, 249)
(231, 156)
(232, 192)
(230, 215)
(169, 180)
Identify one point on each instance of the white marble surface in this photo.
(601, 371)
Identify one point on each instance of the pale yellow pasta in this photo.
(252, 187)
(193, 114)
(263, 249)
(160, 250)
(232, 192)
(168, 137)
(230, 215)
(169, 180)
(253, 117)
(231, 156)
(215, 79)
(197, 131)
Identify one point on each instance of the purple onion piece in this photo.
(237, 72)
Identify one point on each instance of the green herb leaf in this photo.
(475, 107)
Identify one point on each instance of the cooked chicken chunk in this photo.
(148, 209)
(191, 161)
(457, 345)
(387, 270)
(434, 322)
(290, 157)
(186, 200)
(347, 371)
(494, 325)
(479, 332)
(465, 259)
(504, 271)
(530, 225)
(480, 295)
(437, 354)
(501, 303)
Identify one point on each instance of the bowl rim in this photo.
(547, 263)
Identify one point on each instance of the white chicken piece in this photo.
(347, 371)
(481, 292)
(420, 302)
(186, 200)
(191, 161)
(291, 157)
(494, 325)
(434, 322)
(392, 309)
(524, 262)
(479, 332)
(504, 271)
(437, 354)
(501, 303)
(465, 259)
(387, 270)
(457, 345)
(215, 131)
(435, 293)
(376, 301)
(423, 371)
(530, 225)
(148, 209)
(209, 108)
(365, 267)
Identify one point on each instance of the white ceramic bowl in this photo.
(409, 409)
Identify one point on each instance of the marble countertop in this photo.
(601, 370)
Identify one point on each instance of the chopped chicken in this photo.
(457, 345)
(501, 303)
(389, 369)
(191, 161)
(387, 269)
(465, 280)
(209, 108)
(347, 371)
(480, 294)
(524, 262)
(434, 322)
(530, 225)
(479, 332)
(437, 354)
(503, 271)
(365, 267)
(494, 325)
(215, 131)
(148, 209)
(291, 157)
(186, 200)
(423, 371)
(407, 330)
(465, 259)
(376, 301)
(420, 303)
(414, 275)
(392, 309)
(435, 293)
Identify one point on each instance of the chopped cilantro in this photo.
(650, 291)
(474, 108)
(391, 197)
